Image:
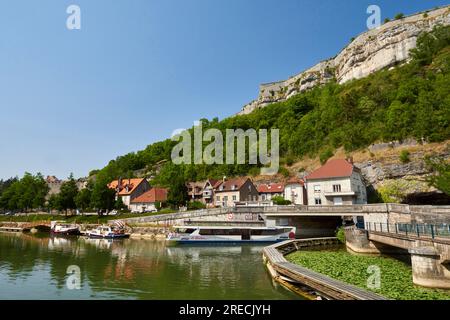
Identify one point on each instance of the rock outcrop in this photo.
(385, 46)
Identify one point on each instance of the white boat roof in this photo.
(231, 227)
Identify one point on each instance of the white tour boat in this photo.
(220, 234)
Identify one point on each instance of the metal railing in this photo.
(417, 230)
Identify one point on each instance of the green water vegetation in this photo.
(396, 276)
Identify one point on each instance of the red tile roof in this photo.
(152, 196)
(295, 180)
(212, 182)
(229, 184)
(337, 168)
(122, 189)
(271, 188)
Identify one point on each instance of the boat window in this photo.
(265, 232)
(221, 232)
(185, 230)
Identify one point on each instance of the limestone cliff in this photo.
(371, 51)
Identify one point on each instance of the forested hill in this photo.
(410, 101)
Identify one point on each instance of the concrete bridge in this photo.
(310, 221)
(428, 245)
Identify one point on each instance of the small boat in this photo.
(64, 229)
(107, 232)
(220, 234)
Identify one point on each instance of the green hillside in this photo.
(412, 100)
(409, 101)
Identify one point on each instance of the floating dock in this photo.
(11, 229)
(285, 271)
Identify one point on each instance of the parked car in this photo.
(9, 213)
(113, 213)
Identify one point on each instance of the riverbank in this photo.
(76, 218)
(396, 276)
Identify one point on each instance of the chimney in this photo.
(350, 160)
(119, 184)
(224, 178)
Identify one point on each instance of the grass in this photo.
(396, 276)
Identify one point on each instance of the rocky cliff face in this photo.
(388, 175)
(371, 51)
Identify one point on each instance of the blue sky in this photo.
(71, 100)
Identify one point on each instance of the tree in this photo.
(102, 198)
(440, 179)
(119, 205)
(67, 194)
(178, 194)
(83, 199)
(25, 194)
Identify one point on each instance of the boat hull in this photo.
(113, 236)
(72, 232)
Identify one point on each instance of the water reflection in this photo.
(35, 267)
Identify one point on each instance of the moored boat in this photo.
(64, 229)
(107, 232)
(220, 234)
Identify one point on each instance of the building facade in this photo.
(338, 182)
(268, 191)
(295, 191)
(129, 189)
(147, 202)
(229, 192)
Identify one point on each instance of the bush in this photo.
(404, 156)
(195, 205)
(399, 16)
(284, 172)
(387, 20)
(324, 156)
(290, 160)
(340, 234)
(280, 201)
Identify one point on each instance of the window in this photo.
(337, 201)
(318, 201)
(263, 197)
(218, 198)
(234, 198)
(336, 188)
(317, 188)
(225, 199)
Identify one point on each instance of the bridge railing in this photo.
(418, 230)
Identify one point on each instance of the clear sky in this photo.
(71, 100)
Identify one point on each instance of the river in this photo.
(36, 267)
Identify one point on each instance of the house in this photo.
(228, 192)
(195, 190)
(295, 191)
(147, 201)
(129, 189)
(268, 191)
(208, 192)
(338, 182)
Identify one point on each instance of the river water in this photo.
(36, 267)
